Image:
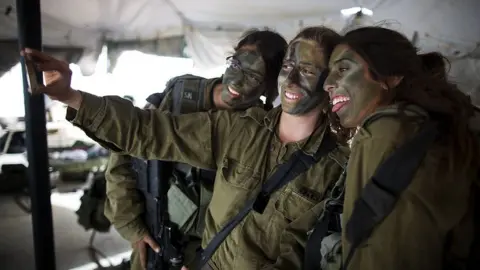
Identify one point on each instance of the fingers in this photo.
(44, 62)
(49, 66)
(147, 239)
(142, 251)
(184, 268)
(37, 55)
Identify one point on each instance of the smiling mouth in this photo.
(339, 102)
(293, 96)
(234, 93)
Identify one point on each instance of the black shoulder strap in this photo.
(332, 206)
(188, 94)
(286, 172)
(156, 98)
(177, 97)
(380, 194)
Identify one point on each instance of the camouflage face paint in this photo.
(299, 79)
(353, 93)
(243, 79)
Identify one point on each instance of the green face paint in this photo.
(243, 79)
(353, 94)
(299, 79)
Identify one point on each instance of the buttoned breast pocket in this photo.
(290, 204)
(293, 202)
(234, 185)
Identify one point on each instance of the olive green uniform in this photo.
(432, 219)
(125, 206)
(245, 150)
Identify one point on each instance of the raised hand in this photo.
(58, 77)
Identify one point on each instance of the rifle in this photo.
(163, 231)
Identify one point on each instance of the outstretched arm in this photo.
(152, 134)
(149, 134)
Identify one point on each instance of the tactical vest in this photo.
(190, 188)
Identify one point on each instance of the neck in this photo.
(294, 128)
(217, 97)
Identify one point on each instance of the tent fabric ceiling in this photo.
(211, 27)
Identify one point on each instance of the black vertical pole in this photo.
(30, 35)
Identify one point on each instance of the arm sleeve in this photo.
(124, 205)
(151, 134)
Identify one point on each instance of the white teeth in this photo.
(337, 100)
(233, 92)
(292, 95)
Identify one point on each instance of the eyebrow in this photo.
(249, 70)
(290, 60)
(340, 60)
(253, 72)
(307, 64)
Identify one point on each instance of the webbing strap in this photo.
(380, 194)
(286, 172)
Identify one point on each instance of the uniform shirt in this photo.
(243, 148)
(433, 210)
(124, 205)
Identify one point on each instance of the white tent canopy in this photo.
(211, 27)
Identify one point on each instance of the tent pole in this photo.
(30, 35)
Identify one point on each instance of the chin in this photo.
(289, 111)
(347, 124)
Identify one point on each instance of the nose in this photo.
(329, 87)
(293, 77)
(330, 84)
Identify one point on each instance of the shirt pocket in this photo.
(290, 204)
(234, 185)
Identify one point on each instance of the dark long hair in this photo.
(425, 84)
(327, 39)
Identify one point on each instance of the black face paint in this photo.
(353, 93)
(301, 78)
(243, 79)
